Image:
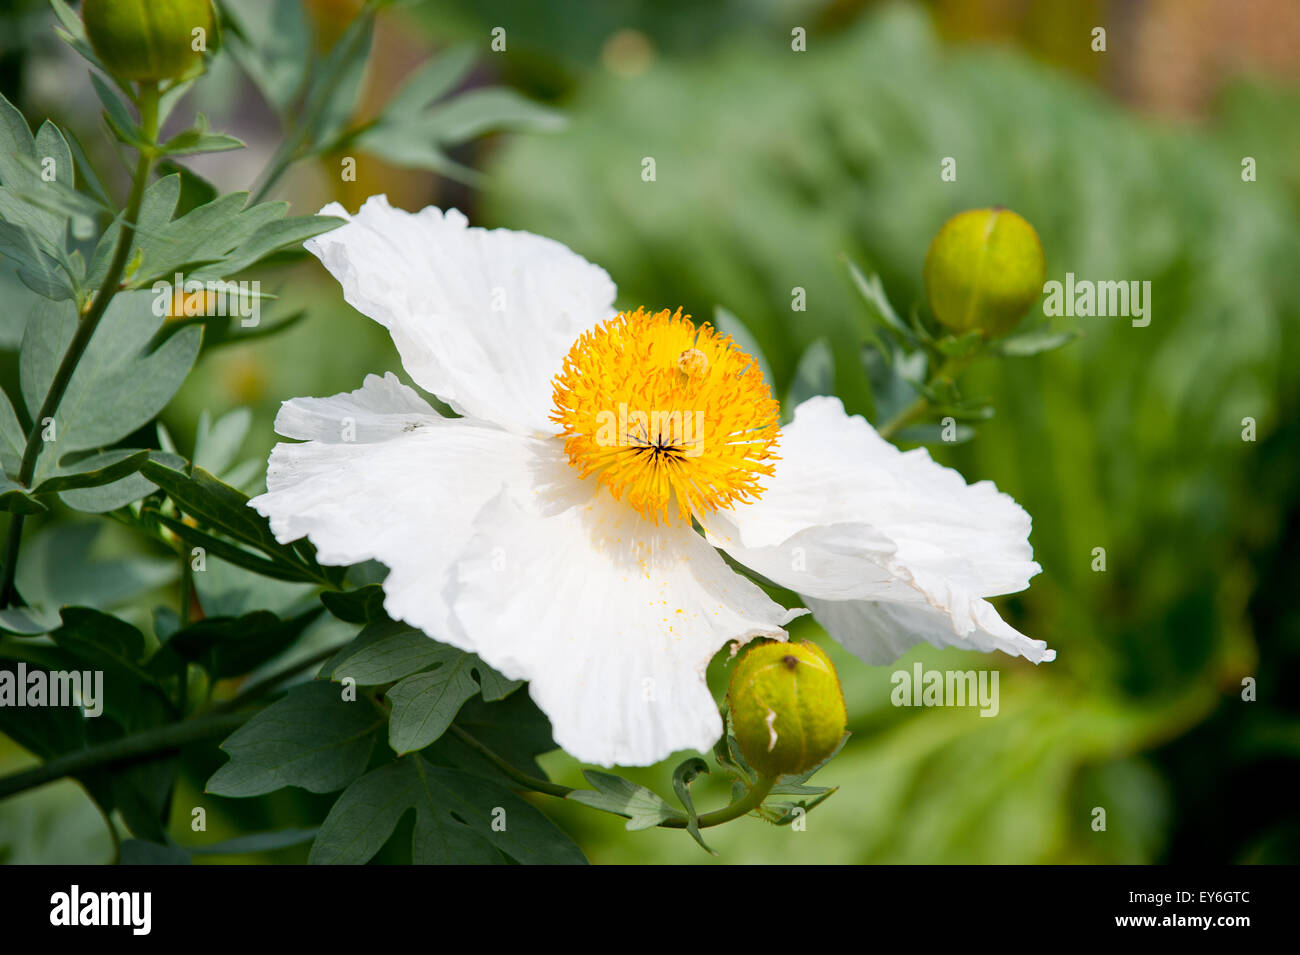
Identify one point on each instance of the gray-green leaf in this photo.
(643, 808)
(116, 387)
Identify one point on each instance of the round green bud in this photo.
(787, 709)
(984, 270)
(148, 40)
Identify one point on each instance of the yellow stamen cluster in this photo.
(664, 411)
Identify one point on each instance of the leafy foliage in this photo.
(104, 336)
(458, 818)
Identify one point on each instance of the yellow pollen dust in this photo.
(666, 413)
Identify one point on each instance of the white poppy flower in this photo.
(549, 529)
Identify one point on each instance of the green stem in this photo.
(150, 742)
(522, 778)
(746, 804)
(742, 806)
(948, 371)
(148, 102)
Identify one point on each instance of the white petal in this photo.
(482, 319)
(879, 633)
(380, 409)
(611, 619)
(383, 476)
(888, 547)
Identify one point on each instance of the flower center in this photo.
(664, 411)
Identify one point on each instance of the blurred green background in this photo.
(770, 166)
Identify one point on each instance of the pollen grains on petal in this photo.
(670, 416)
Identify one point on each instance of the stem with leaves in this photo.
(142, 745)
(227, 717)
(742, 806)
(317, 100)
(915, 411)
(86, 326)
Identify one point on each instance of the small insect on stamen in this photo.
(693, 363)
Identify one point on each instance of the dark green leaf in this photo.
(142, 792)
(104, 642)
(458, 819)
(47, 731)
(231, 646)
(386, 651)
(355, 606)
(495, 686)
(425, 704)
(221, 506)
(100, 496)
(217, 547)
(514, 729)
(313, 738)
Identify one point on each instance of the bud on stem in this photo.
(148, 40)
(984, 270)
(787, 709)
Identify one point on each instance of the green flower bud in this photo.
(147, 40)
(787, 709)
(984, 270)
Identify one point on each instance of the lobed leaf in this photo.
(312, 739)
(459, 818)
